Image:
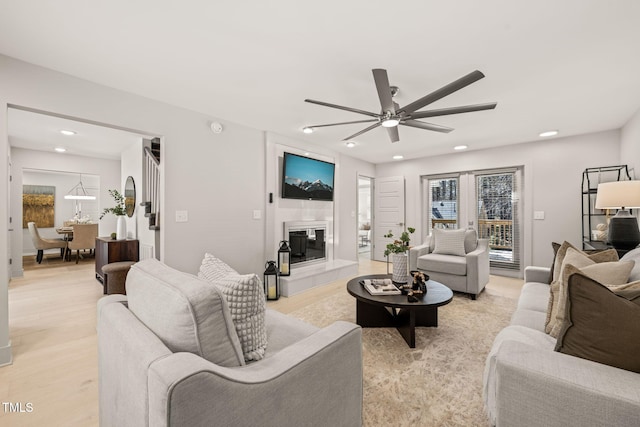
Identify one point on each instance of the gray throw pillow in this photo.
(449, 242)
(600, 325)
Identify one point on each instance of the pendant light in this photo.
(79, 192)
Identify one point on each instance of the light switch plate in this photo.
(257, 214)
(538, 215)
(182, 216)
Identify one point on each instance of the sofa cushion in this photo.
(532, 319)
(534, 296)
(600, 325)
(456, 265)
(449, 242)
(245, 298)
(470, 240)
(185, 312)
(633, 255)
(577, 258)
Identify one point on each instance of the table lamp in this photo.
(623, 227)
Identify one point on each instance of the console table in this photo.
(109, 250)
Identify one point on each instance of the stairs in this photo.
(151, 178)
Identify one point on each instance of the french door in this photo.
(488, 201)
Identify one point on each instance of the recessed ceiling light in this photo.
(549, 133)
(460, 147)
(67, 132)
(307, 129)
(398, 157)
(60, 149)
(350, 144)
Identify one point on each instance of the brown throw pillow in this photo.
(577, 258)
(600, 325)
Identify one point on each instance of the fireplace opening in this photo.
(307, 240)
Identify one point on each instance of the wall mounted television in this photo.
(307, 178)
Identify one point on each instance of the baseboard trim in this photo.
(6, 356)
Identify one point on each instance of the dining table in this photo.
(67, 235)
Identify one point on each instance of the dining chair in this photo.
(41, 244)
(84, 237)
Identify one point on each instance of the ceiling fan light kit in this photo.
(392, 115)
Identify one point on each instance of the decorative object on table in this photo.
(623, 227)
(602, 232)
(113, 236)
(284, 259)
(271, 281)
(418, 287)
(380, 287)
(119, 211)
(399, 248)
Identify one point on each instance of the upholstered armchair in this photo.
(84, 237)
(170, 355)
(455, 258)
(41, 244)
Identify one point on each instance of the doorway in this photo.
(365, 216)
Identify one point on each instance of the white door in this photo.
(389, 212)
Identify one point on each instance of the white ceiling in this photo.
(570, 65)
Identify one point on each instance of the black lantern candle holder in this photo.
(284, 259)
(271, 281)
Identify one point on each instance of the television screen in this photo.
(306, 178)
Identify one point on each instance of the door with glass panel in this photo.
(487, 201)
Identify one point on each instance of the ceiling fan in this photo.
(393, 115)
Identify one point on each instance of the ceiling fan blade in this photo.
(453, 110)
(443, 91)
(394, 136)
(384, 90)
(427, 126)
(373, 126)
(340, 107)
(344, 123)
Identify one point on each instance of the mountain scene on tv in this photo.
(307, 178)
(296, 188)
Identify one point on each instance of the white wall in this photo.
(630, 145)
(552, 178)
(107, 171)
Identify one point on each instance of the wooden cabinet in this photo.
(109, 250)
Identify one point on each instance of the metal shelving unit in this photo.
(591, 216)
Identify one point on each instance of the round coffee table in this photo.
(372, 312)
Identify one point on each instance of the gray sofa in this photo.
(527, 383)
(468, 274)
(309, 376)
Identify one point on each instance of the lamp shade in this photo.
(618, 195)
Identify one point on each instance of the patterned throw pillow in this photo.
(244, 295)
(245, 298)
(449, 242)
(213, 268)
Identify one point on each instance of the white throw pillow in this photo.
(213, 268)
(449, 242)
(245, 298)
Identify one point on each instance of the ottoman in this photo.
(115, 275)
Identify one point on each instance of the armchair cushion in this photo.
(443, 264)
(449, 242)
(185, 312)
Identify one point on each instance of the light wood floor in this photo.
(52, 321)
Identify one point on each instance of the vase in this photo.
(121, 230)
(399, 268)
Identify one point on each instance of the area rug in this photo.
(439, 383)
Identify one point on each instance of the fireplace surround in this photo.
(308, 241)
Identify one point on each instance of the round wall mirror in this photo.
(130, 196)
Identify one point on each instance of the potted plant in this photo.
(119, 211)
(399, 248)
